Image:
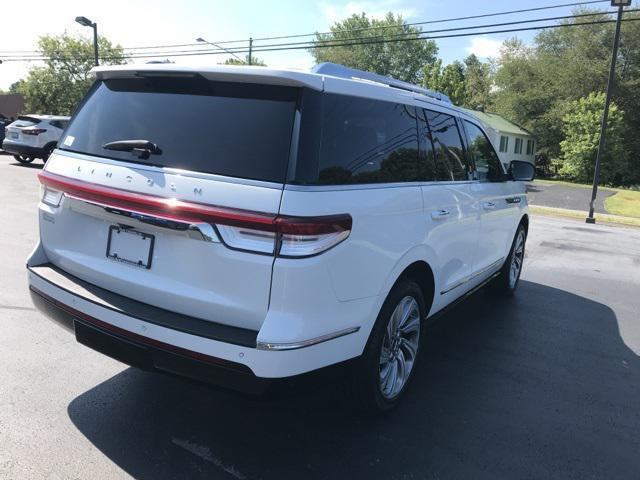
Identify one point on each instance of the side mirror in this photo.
(521, 171)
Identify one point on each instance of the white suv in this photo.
(280, 223)
(33, 136)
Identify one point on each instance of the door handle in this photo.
(488, 205)
(440, 214)
(513, 200)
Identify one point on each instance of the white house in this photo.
(512, 142)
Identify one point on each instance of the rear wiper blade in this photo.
(142, 147)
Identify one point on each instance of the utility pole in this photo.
(605, 115)
(250, 50)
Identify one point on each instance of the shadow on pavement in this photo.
(539, 386)
(37, 164)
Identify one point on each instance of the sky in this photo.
(160, 22)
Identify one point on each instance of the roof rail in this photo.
(337, 70)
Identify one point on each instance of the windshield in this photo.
(237, 130)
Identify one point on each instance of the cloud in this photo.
(485, 47)
(374, 9)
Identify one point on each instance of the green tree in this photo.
(581, 128)
(450, 80)
(59, 86)
(478, 83)
(535, 84)
(468, 83)
(254, 61)
(403, 60)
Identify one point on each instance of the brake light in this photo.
(33, 131)
(265, 233)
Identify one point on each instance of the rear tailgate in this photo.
(190, 271)
(223, 146)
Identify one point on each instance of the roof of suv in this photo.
(264, 75)
(47, 117)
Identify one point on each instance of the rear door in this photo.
(452, 221)
(142, 223)
(496, 201)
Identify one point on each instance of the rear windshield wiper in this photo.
(142, 147)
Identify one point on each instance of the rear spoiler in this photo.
(223, 73)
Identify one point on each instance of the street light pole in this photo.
(202, 40)
(85, 22)
(605, 115)
(95, 43)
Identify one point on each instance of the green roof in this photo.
(498, 123)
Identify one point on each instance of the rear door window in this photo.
(231, 129)
(362, 141)
(448, 149)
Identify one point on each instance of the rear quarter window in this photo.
(230, 129)
(351, 140)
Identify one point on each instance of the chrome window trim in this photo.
(373, 186)
(275, 346)
(169, 170)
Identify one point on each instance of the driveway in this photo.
(545, 385)
(548, 194)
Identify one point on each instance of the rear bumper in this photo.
(141, 352)
(19, 149)
(145, 336)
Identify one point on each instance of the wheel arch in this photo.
(421, 273)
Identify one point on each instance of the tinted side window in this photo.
(367, 141)
(486, 160)
(447, 144)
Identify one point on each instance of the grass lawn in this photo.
(625, 202)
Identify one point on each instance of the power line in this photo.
(442, 20)
(332, 43)
(354, 43)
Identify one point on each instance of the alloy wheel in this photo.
(399, 347)
(516, 260)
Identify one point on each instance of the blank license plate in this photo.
(14, 135)
(130, 246)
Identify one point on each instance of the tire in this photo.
(507, 282)
(48, 151)
(377, 380)
(23, 158)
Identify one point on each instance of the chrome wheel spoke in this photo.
(401, 373)
(408, 347)
(412, 325)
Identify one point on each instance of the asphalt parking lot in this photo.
(546, 385)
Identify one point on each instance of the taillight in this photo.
(33, 131)
(264, 233)
(289, 236)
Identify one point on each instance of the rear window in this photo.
(26, 121)
(237, 130)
